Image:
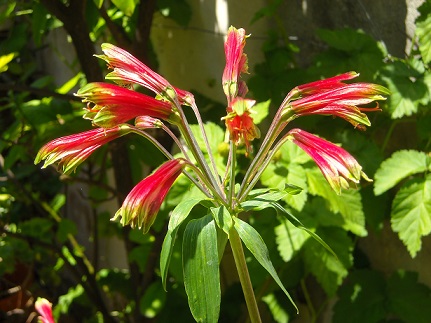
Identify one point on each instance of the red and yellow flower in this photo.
(337, 165)
(70, 151)
(111, 105)
(142, 204)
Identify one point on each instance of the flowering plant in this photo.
(226, 194)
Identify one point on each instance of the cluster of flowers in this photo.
(112, 106)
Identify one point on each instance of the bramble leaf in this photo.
(411, 213)
(399, 166)
(348, 204)
(329, 271)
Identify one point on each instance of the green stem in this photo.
(232, 174)
(244, 277)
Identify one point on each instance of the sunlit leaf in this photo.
(201, 269)
(399, 166)
(254, 242)
(126, 6)
(411, 213)
(179, 214)
(328, 270)
(423, 31)
(289, 239)
(348, 204)
(261, 111)
(279, 314)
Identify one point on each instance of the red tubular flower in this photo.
(333, 97)
(336, 164)
(71, 151)
(236, 63)
(128, 69)
(44, 308)
(240, 124)
(113, 105)
(141, 206)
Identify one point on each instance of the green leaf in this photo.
(4, 60)
(348, 204)
(279, 314)
(66, 227)
(153, 300)
(39, 21)
(179, 214)
(201, 269)
(223, 218)
(289, 239)
(329, 271)
(408, 299)
(64, 301)
(69, 85)
(288, 170)
(423, 30)
(399, 166)
(254, 242)
(178, 10)
(411, 213)
(126, 6)
(362, 298)
(407, 87)
(261, 110)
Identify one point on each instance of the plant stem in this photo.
(244, 277)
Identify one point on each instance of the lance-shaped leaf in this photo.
(254, 242)
(201, 269)
(179, 214)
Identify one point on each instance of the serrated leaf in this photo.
(284, 173)
(348, 204)
(407, 87)
(329, 271)
(179, 214)
(411, 214)
(261, 110)
(289, 239)
(279, 314)
(423, 31)
(399, 166)
(362, 298)
(254, 242)
(201, 269)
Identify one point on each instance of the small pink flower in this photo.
(142, 204)
(128, 69)
(333, 97)
(236, 63)
(44, 308)
(240, 124)
(336, 164)
(110, 105)
(70, 151)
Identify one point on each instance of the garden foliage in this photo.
(37, 234)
